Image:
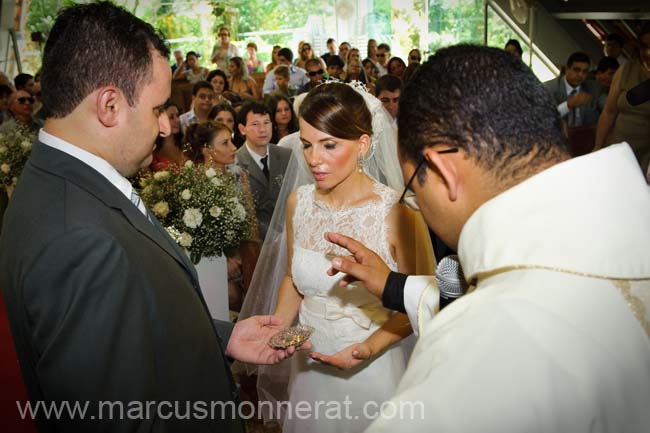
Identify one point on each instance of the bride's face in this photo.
(331, 160)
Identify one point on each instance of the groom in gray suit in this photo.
(105, 309)
(265, 162)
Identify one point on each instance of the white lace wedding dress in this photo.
(341, 316)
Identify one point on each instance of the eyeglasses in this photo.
(417, 168)
(306, 48)
(314, 73)
(25, 99)
(416, 59)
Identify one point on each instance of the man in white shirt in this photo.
(554, 335)
(202, 102)
(297, 76)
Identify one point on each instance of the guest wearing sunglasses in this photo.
(315, 72)
(21, 108)
(415, 57)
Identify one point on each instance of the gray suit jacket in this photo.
(102, 303)
(265, 192)
(590, 112)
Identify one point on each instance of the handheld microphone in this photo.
(450, 279)
(639, 94)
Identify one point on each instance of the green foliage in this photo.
(455, 21)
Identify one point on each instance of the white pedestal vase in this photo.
(213, 277)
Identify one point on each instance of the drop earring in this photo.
(360, 164)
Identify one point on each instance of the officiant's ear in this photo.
(444, 165)
(364, 145)
(109, 100)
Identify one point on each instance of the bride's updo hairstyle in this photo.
(338, 110)
(199, 136)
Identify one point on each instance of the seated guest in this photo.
(24, 81)
(396, 67)
(253, 64)
(274, 59)
(355, 72)
(297, 76)
(283, 118)
(21, 108)
(202, 102)
(240, 82)
(578, 100)
(415, 57)
(315, 73)
(514, 47)
(372, 72)
(605, 71)
(307, 53)
(388, 90)
(225, 114)
(281, 83)
(335, 67)
(219, 82)
(169, 149)
(190, 70)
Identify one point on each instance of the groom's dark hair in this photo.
(96, 45)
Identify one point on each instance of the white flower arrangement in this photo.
(203, 209)
(15, 148)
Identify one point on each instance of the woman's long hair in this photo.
(273, 106)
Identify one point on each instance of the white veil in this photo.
(381, 163)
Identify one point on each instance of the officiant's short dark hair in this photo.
(95, 45)
(338, 110)
(486, 102)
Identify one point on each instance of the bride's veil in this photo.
(381, 163)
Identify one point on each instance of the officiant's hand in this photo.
(364, 265)
(249, 341)
(347, 358)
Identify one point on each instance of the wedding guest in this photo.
(371, 70)
(331, 49)
(372, 56)
(605, 70)
(282, 77)
(396, 67)
(178, 57)
(514, 47)
(225, 114)
(315, 72)
(265, 162)
(297, 76)
(202, 102)
(283, 118)
(356, 72)
(307, 53)
(210, 144)
(415, 57)
(219, 82)
(388, 90)
(190, 70)
(335, 67)
(169, 149)
(253, 64)
(25, 82)
(482, 145)
(223, 50)
(115, 310)
(343, 50)
(21, 109)
(622, 121)
(274, 59)
(240, 82)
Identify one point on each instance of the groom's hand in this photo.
(364, 265)
(249, 341)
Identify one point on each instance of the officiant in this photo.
(555, 335)
(103, 305)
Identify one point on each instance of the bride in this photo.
(341, 142)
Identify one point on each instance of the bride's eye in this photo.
(330, 146)
(305, 145)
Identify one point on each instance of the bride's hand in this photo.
(347, 358)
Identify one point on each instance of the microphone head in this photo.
(450, 278)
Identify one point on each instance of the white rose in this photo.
(26, 145)
(240, 211)
(192, 218)
(3, 149)
(186, 194)
(210, 172)
(185, 239)
(161, 209)
(161, 175)
(147, 190)
(189, 164)
(5, 168)
(216, 181)
(215, 211)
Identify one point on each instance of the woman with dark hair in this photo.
(219, 82)
(274, 59)
(345, 135)
(240, 82)
(225, 114)
(169, 149)
(356, 72)
(253, 64)
(283, 118)
(514, 47)
(190, 69)
(210, 144)
(396, 66)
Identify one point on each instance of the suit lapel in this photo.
(85, 177)
(254, 170)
